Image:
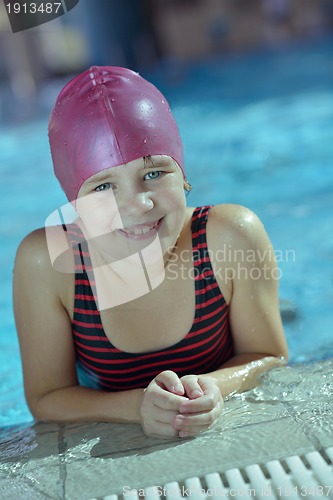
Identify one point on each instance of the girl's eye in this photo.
(104, 187)
(154, 174)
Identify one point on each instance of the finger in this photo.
(170, 381)
(192, 387)
(162, 398)
(199, 405)
(160, 430)
(192, 423)
(163, 416)
(208, 384)
(191, 420)
(167, 401)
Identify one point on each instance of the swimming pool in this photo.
(258, 131)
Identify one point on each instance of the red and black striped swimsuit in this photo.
(205, 348)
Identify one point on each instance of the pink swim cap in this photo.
(105, 117)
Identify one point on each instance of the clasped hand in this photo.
(183, 406)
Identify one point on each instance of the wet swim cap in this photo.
(105, 117)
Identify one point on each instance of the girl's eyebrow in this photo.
(158, 162)
(106, 176)
(99, 178)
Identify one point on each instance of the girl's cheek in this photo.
(99, 213)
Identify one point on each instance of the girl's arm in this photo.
(46, 345)
(241, 372)
(250, 275)
(48, 356)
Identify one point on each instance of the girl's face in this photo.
(123, 209)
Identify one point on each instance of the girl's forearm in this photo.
(241, 372)
(81, 404)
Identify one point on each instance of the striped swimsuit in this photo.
(205, 348)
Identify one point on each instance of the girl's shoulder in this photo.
(33, 248)
(233, 214)
(235, 221)
(45, 249)
(235, 224)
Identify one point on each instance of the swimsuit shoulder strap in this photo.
(198, 227)
(80, 247)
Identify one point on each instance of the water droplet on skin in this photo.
(113, 100)
(145, 140)
(65, 142)
(240, 225)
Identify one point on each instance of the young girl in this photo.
(142, 310)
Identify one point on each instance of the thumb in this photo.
(170, 381)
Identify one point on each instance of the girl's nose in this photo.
(137, 204)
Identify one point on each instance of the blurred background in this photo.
(145, 35)
(250, 83)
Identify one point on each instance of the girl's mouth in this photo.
(142, 231)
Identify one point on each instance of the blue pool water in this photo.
(258, 131)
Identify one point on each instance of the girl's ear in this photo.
(187, 186)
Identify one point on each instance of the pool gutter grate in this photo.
(306, 476)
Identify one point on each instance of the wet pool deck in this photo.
(289, 413)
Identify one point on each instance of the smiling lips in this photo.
(140, 231)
